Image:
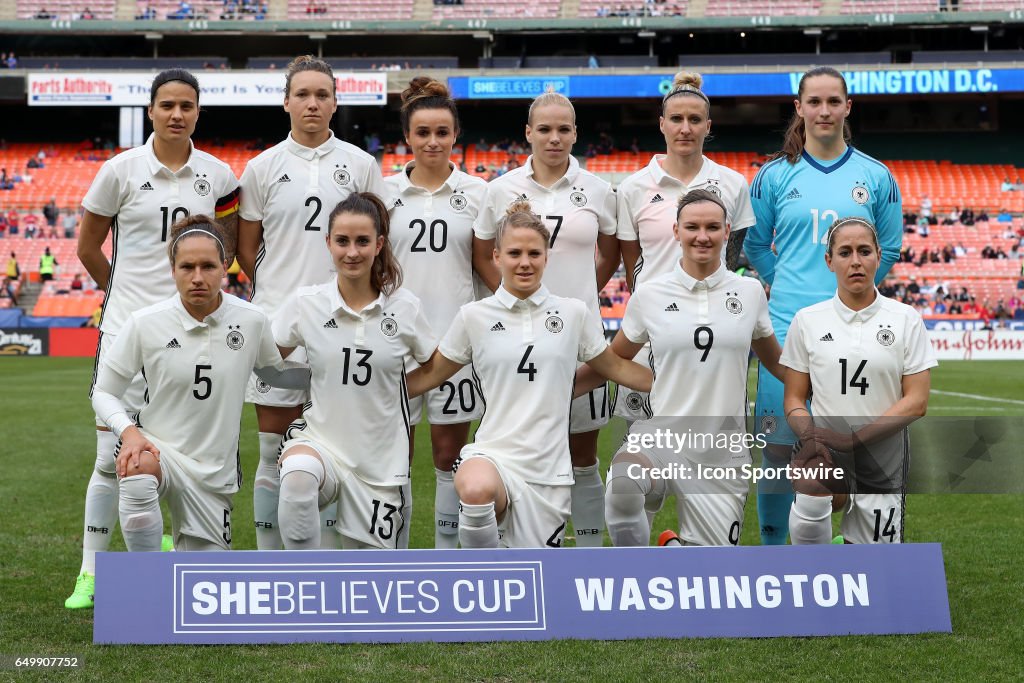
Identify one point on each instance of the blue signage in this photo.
(960, 324)
(484, 595)
(860, 82)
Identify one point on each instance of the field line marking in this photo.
(976, 397)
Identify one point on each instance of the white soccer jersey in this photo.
(576, 209)
(700, 333)
(432, 238)
(359, 405)
(647, 202)
(857, 359)
(292, 190)
(145, 198)
(196, 374)
(525, 354)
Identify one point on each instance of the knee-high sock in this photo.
(141, 520)
(810, 519)
(266, 488)
(628, 521)
(774, 499)
(478, 526)
(446, 510)
(298, 511)
(588, 518)
(330, 539)
(100, 502)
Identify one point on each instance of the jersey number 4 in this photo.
(525, 367)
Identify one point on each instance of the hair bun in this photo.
(687, 78)
(421, 87)
(519, 206)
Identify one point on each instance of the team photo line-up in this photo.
(435, 295)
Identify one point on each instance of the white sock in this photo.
(100, 502)
(810, 520)
(406, 512)
(266, 487)
(628, 522)
(330, 539)
(297, 510)
(446, 510)
(588, 506)
(478, 526)
(141, 520)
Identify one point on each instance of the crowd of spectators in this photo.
(650, 8)
(8, 60)
(1016, 186)
(940, 299)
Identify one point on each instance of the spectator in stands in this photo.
(42, 14)
(69, 223)
(926, 207)
(3, 224)
(907, 254)
(47, 265)
(948, 254)
(941, 308)
(7, 291)
(1018, 184)
(51, 213)
(34, 162)
(13, 269)
(13, 222)
(982, 216)
(1004, 216)
(76, 283)
(923, 227)
(953, 217)
(967, 216)
(5, 183)
(147, 14)
(912, 286)
(12, 61)
(31, 223)
(87, 14)
(1007, 186)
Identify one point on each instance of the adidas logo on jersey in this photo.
(331, 324)
(657, 198)
(284, 179)
(794, 194)
(398, 203)
(498, 327)
(173, 344)
(827, 337)
(146, 186)
(672, 307)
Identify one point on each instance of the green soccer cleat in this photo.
(85, 589)
(166, 544)
(839, 540)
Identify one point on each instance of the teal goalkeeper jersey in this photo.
(795, 204)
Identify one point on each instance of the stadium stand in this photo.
(141, 63)
(604, 8)
(539, 9)
(67, 9)
(788, 58)
(775, 8)
(377, 10)
(374, 63)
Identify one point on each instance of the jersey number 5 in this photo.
(203, 385)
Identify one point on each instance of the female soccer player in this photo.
(433, 208)
(815, 179)
(579, 211)
(147, 189)
(351, 449)
(701, 320)
(868, 359)
(647, 202)
(524, 343)
(198, 349)
(287, 193)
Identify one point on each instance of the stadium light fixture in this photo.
(646, 34)
(812, 31)
(979, 29)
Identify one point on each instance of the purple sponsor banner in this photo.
(483, 595)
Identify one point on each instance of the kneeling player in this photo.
(701, 321)
(197, 350)
(514, 481)
(868, 359)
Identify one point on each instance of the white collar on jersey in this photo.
(310, 153)
(661, 178)
(155, 165)
(567, 179)
(848, 315)
(405, 183)
(338, 304)
(509, 300)
(690, 282)
(190, 323)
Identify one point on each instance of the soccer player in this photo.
(868, 359)
(433, 208)
(137, 196)
(815, 179)
(647, 202)
(701, 320)
(524, 342)
(578, 209)
(351, 449)
(198, 348)
(288, 192)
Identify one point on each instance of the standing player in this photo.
(702, 321)
(287, 194)
(579, 211)
(647, 201)
(198, 349)
(868, 359)
(815, 179)
(433, 208)
(137, 196)
(351, 450)
(524, 343)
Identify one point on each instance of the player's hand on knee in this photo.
(130, 456)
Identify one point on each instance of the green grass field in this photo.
(48, 452)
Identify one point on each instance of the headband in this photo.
(220, 245)
(684, 89)
(843, 222)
